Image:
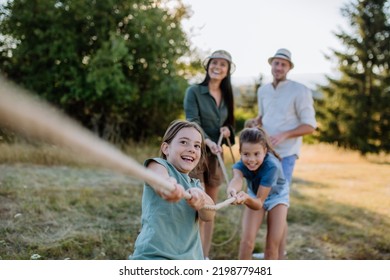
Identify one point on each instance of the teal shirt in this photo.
(170, 231)
(200, 107)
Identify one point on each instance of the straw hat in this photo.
(282, 54)
(220, 54)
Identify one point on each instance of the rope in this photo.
(220, 160)
(37, 119)
(237, 229)
(219, 143)
(222, 164)
(229, 200)
(230, 148)
(221, 204)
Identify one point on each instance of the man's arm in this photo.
(301, 130)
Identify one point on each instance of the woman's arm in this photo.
(214, 148)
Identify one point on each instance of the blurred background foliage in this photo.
(355, 111)
(113, 65)
(121, 67)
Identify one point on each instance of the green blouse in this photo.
(200, 107)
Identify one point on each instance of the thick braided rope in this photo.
(222, 164)
(220, 205)
(230, 148)
(220, 160)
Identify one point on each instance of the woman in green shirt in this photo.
(211, 105)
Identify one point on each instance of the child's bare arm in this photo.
(171, 196)
(235, 184)
(198, 200)
(261, 196)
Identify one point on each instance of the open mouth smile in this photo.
(188, 159)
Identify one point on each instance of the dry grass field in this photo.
(347, 198)
(53, 207)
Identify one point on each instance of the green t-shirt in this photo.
(169, 230)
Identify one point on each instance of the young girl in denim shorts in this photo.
(267, 192)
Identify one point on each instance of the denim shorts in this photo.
(288, 164)
(274, 199)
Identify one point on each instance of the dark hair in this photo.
(257, 135)
(174, 128)
(227, 94)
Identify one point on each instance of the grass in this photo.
(54, 207)
(61, 212)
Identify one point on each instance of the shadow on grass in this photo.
(320, 228)
(306, 183)
(380, 162)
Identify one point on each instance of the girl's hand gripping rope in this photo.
(201, 202)
(175, 194)
(197, 200)
(241, 198)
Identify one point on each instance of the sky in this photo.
(252, 31)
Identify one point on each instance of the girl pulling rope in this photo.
(171, 230)
(268, 191)
(25, 114)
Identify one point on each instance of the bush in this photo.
(242, 115)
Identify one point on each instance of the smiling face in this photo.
(218, 68)
(185, 149)
(252, 155)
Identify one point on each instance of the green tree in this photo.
(356, 112)
(113, 64)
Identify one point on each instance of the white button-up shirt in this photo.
(284, 108)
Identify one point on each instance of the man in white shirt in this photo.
(286, 112)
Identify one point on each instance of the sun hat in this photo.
(220, 54)
(282, 54)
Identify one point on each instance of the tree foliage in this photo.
(113, 64)
(355, 112)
